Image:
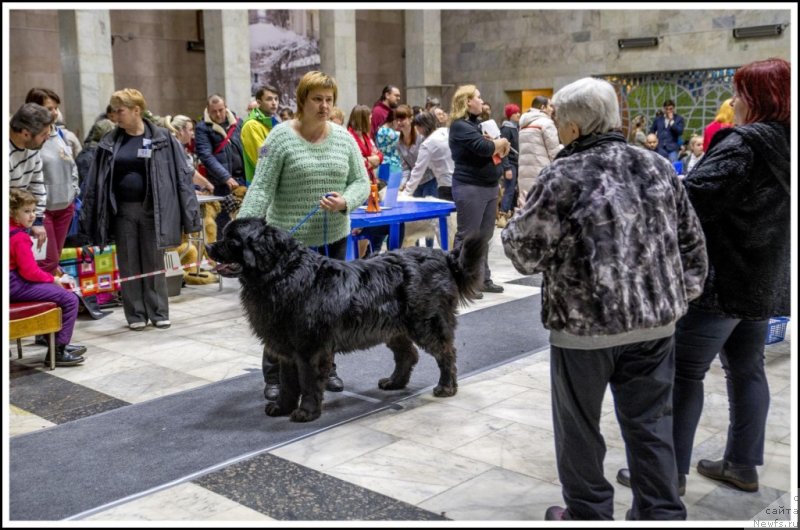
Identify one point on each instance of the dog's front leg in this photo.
(406, 357)
(311, 375)
(289, 391)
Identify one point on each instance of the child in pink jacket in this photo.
(29, 283)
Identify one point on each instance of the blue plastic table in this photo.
(404, 212)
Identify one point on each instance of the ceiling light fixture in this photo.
(641, 42)
(770, 30)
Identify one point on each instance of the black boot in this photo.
(271, 370)
(67, 355)
(334, 384)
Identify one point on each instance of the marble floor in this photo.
(485, 455)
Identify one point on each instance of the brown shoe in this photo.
(743, 477)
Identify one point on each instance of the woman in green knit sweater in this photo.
(304, 163)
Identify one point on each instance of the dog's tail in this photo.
(466, 265)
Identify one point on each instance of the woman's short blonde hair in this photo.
(177, 123)
(459, 106)
(311, 81)
(129, 98)
(725, 113)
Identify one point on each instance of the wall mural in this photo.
(284, 45)
(697, 95)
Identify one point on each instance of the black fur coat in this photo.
(740, 191)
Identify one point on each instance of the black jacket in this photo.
(740, 191)
(510, 131)
(169, 186)
(472, 154)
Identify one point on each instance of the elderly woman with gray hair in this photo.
(622, 253)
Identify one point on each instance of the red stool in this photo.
(35, 318)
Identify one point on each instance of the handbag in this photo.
(95, 268)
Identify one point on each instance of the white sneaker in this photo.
(162, 324)
(137, 326)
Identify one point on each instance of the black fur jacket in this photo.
(740, 191)
(612, 230)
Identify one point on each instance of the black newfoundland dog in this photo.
(306, 307)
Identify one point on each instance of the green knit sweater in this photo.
(292, 175)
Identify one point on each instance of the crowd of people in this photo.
(648, 272)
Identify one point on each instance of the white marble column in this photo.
(87, 64)
(423, 56)
(337, 52)
(227, 47)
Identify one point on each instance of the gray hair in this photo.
(589, 103)
(31, 117)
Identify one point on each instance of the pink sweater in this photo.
(22, 260)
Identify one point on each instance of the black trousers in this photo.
(269, 365)
(641, 378)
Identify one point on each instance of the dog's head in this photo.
(250, 245)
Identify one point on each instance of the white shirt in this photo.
(434, 154)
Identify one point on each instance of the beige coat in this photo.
(538, 146)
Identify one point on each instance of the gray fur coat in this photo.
(613, 232)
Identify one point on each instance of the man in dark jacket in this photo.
(219, 147)
(668, 128)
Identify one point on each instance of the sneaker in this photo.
(137, 326)
(42, 340)
(555, 513)
(491, 287)
(334, 383)
(743, 477)
(162, 324)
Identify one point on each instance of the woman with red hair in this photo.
(740, 191)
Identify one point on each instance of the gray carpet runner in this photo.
(68, 469)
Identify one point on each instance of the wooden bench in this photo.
(35, 318)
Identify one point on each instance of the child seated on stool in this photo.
(28, 283)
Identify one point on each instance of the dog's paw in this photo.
(301, 416)
(445, 391)
(387, 383)
(272, 409)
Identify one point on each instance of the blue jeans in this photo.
(509, 190)
(426, 190)
(699, 336)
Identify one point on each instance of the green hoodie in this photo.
(254, 131)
